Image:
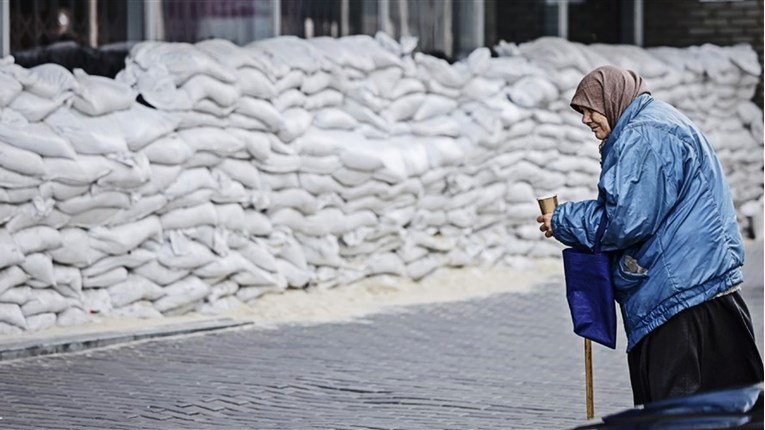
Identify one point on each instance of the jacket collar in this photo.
(632, 110)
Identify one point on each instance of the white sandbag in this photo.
(437, 126)
(45, 300)
(130, 260)
(203, 214)
(385, 80)
(105, 279)
(296, 123)
(322, 99)
(11, 277)
(81, 171)
(279, 164)
(320, 143)
(334, 119)
(41, 321)
(10, 313)
(161, 178)
(195, 198)
(9, 89)
(261, 110)
(189, 181)
(533, 91)
(18, 295)
(479, 88)
(37, 212)
(75, 248)
(139, 125)
(39, 267)
(351, 177)
(21, 161)
(211, 139)
(229, 190)
(140, 208)
(37, 239)
(181, 60)
(255, 83)
(98, 95)
(326, 165)
(11, 179)
(224, 266)
(321, 251)
(387, 263)
(182, 293)
(72, 317)
(420, 268)
(182, 253)
(85, 141)
(256, 143)
(289, 99)
(133, 289)
(68, 281)
(241, 171)
(127, 171)
(296, 198)
(296, 278)
(96, 301)
(359, 158)
(124, 238)
(107, 199)
(257, 223)
(442, 71)
(259, 255)
(478, 60)
(52, 80)
(229, 54)
(209, 107)
(35, 108)
(316, 82)
(405, 87)
(10, 251)
(364, 114)
(221, 290)
(230, 216)
(404, 107)
(201, 87)
(38, 138)
(159, 274)
(170, 149)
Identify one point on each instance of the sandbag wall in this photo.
(290, 162)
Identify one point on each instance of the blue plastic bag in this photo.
(590, 291)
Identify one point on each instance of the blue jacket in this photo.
(672, 225)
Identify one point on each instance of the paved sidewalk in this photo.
(508, 361)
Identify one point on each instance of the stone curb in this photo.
(62, 344)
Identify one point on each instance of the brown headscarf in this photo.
(608, 90)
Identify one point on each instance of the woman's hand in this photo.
(546, 224)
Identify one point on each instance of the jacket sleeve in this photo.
(636, 192)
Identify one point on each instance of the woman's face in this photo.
(597, 123)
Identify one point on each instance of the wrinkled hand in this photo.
(546, 224)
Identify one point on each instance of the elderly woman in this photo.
(677, 251)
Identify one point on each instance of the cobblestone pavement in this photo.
(508, 361)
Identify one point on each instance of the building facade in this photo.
(447, 28)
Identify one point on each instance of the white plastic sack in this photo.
(98, 95)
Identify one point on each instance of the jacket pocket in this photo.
(628, 274)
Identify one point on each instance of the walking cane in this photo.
(547, 205)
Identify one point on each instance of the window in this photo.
(240, 21)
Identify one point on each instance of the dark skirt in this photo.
(707, 347)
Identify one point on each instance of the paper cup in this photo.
(548, 204)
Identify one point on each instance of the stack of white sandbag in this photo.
(712, 85)
(291, 162)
